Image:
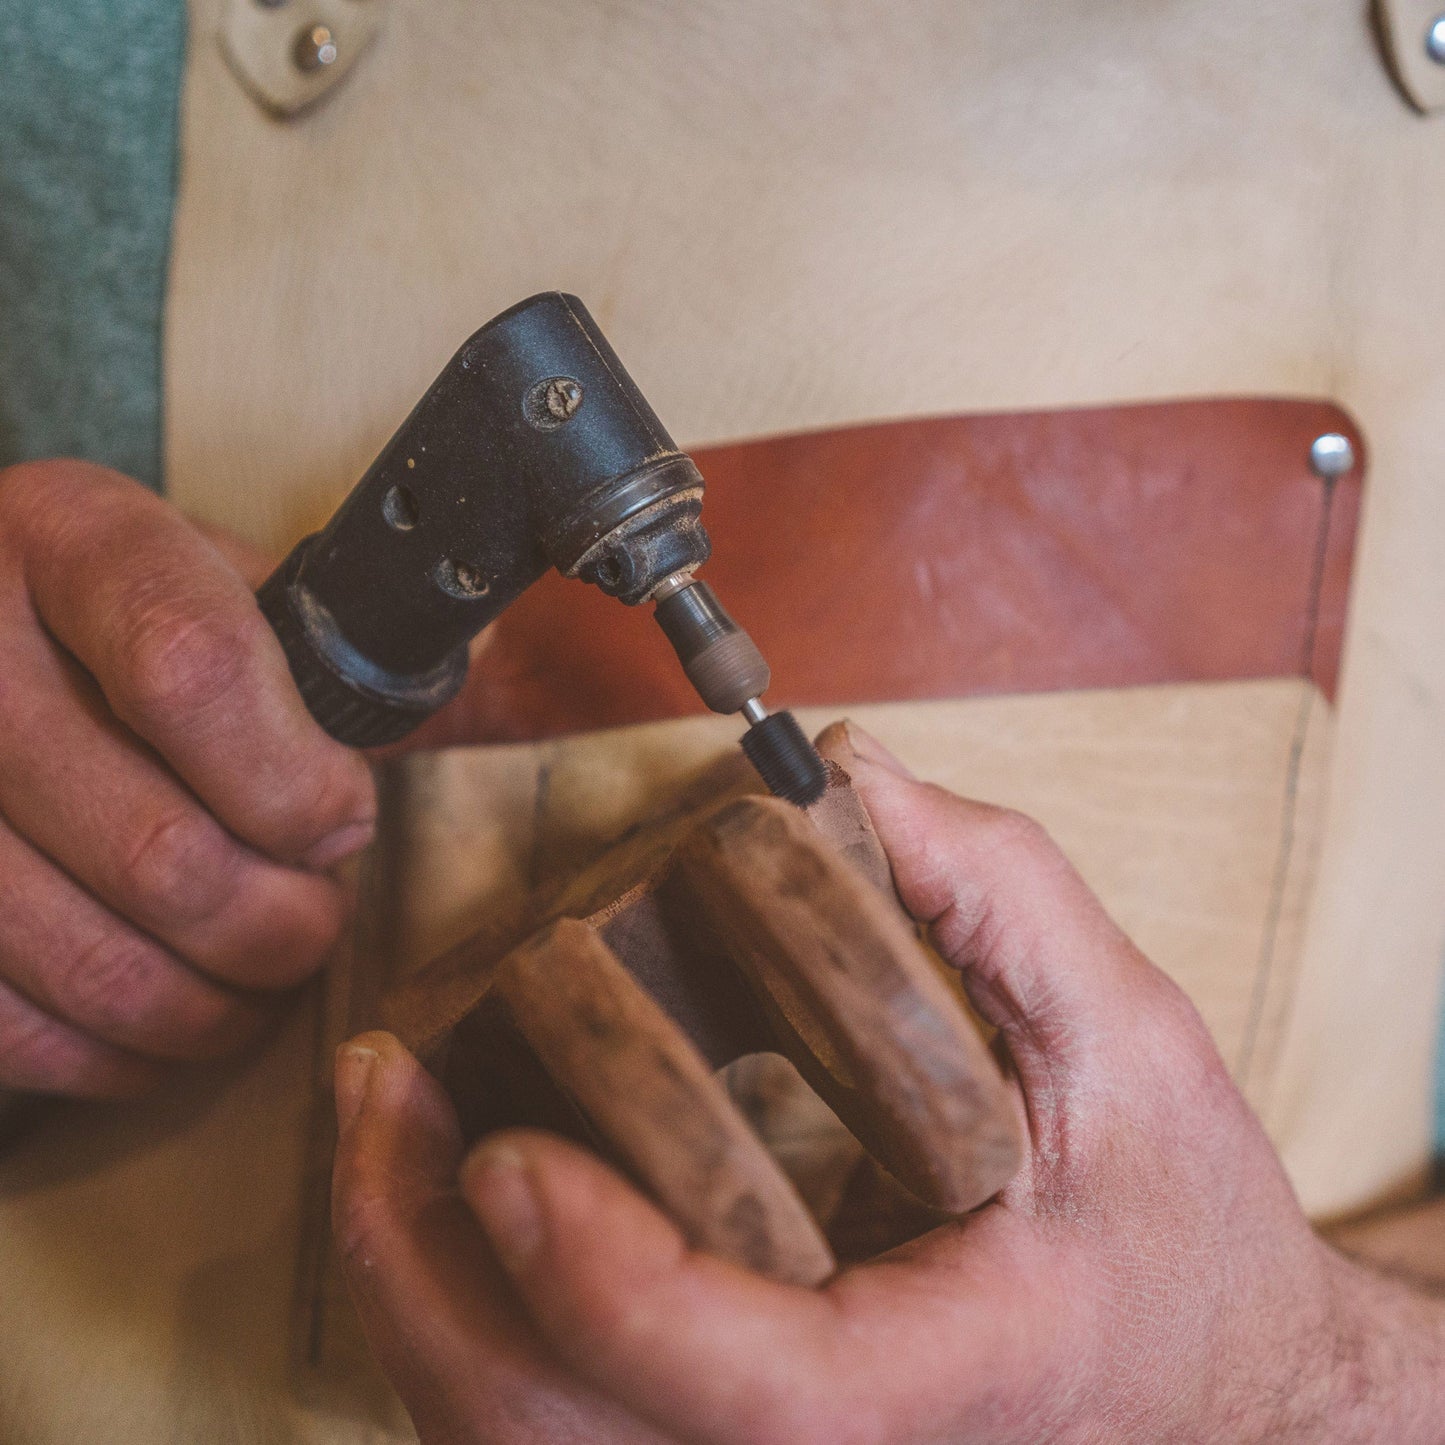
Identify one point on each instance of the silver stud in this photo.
(1435, 40)
(1332, 455)
(315, 48)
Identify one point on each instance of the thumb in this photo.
(435, 1306)
(1041, 959)
(700, 1346)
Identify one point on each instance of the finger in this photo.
(437, 1311)
(104, 808)
(1043, 961)
(43, 1054)
(715, 1354)
(184, 657)
(80, 964)
(702, 1347)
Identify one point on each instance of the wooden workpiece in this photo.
(740, 927)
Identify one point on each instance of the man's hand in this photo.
(1148, 1276)
(167, 804)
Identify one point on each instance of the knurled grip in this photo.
(357, 702)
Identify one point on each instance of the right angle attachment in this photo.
(723, 663)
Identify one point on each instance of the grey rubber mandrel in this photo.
(787, 762)
(729, 672)
(721, 661)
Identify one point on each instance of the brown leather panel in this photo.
(952, 556)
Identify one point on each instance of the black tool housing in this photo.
(534, 448)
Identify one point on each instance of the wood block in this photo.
(651, 1097)
(738, 927)
(854, 1002)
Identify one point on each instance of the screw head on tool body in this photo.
(552, 402)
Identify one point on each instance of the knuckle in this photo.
(38, 1053)
(338, 792)
(111, 983)
(279, 932)
(28, 1042)
(23, 483)
(607, 1321)
(179, 658)
(123, 988)
(177, 867)
(807, 1421)
(9, 486)
(1175, 1027)
(776, 1429)
(1019, 835)
(1025, 850)
(24, 494)
(42, 500)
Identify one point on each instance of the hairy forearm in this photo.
(1387, 1373)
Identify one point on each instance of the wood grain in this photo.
(741, 926)
(855, 1003)
(655, 1104)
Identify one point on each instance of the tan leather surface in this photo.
(950, 557)
(789, 217)
(1409, 1242)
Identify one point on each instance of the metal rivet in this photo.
(1435, 40)
(1332, 455)
(315, 48)
(552, 402)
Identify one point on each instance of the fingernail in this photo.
(871, 750)
(353, 1069)
(345, 841)
(499, 1188)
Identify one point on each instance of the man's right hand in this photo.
(1147, 1276)
(167, 805)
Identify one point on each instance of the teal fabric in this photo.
(89, 109)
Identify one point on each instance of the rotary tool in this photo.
(533, 449)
